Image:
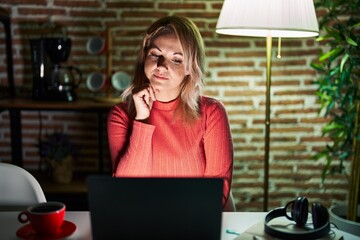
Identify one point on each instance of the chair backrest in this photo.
(18, 188)
(230, 204)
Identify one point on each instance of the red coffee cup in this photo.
(45, 218)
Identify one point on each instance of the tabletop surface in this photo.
(232, 224)
(79, 104)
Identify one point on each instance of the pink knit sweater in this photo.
(168, 147)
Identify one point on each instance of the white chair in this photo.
(230, 204)
(18, 188)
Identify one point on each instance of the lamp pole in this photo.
(267, 121)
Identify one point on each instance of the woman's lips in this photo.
(160, 77)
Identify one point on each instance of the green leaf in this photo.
(320, 155)
(317, 67)
(333, 32)
(326, 168)
(334, 71)
(355, 25)
(323, 38)
(331, 127)
(332, 53)
(351, 41)
(343, 61)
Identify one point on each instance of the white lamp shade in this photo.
(262, 18)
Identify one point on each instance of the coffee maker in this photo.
(51, 80)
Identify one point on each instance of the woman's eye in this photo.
(177, 61)
(153, 55)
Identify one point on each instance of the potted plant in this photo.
(57, 151)
(339, 93)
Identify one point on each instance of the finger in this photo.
(152, 93)
(147, 98)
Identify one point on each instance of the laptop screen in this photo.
(155, 208)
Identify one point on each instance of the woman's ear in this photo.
(187, 71)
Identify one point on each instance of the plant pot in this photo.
(338, 217)
(62, 171)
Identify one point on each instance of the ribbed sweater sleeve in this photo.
(139, 149)
(131, 144)
(218, 146)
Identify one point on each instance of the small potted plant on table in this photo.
(57, 152)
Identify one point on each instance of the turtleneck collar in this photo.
(166, 105)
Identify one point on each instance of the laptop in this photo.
(155, 208)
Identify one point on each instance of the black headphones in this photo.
(299, 214)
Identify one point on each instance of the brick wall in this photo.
(235, 75)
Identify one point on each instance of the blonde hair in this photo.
(194, 59)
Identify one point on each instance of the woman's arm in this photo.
(218, 146)
(130, 144)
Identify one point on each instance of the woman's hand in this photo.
(143, 97)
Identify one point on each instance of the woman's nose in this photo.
(162, 62)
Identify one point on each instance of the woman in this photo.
(164, 127)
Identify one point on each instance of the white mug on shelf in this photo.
(96, 45)
(95, 81)
(120, 81)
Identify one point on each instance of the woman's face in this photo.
(165, 66)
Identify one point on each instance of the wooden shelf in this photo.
(16, 105)
(76, 186)
(85, 104)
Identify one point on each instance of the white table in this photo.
(234, 222)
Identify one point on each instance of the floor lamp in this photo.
(268, 18)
